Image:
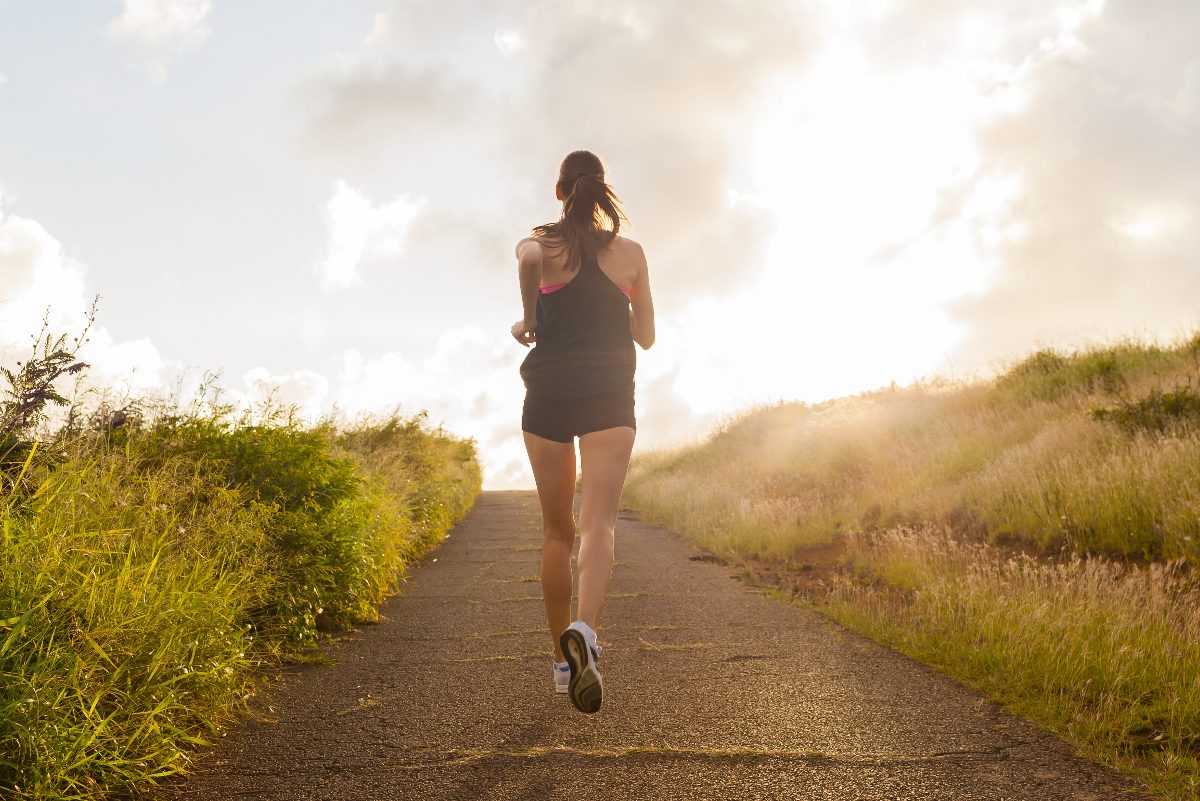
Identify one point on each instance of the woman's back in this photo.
(584, 342)
(621, 261)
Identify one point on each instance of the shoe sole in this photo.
(586, 687)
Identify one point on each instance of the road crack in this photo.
(448, 757)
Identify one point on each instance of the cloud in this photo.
(468, 381)
(35, 272)
(509, 41)
(39, 280)
(360, 232)
(305, 389)
(161, 29)
(476, 115)
(1108, 212)
(372, 106)
(663, 94)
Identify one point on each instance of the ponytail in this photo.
(591, 215)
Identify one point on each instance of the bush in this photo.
(1176, 411)
(152, 558)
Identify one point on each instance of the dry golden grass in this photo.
(1105, 654)
(1020, 460)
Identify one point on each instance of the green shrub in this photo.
(150, 566)
(315, 505)
(1048, 375)
(1176, 411)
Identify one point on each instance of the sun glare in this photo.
(1155, 222)
(856, 165)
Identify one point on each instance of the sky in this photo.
(323, 198)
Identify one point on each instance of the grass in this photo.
(1036, 535)
(1106, 655)
(1040, 457)
(152, 560)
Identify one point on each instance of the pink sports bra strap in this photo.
(546, 290)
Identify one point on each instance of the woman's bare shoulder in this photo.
(530, 246)
(548, 241)
(630, 247)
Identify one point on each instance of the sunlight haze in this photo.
(831, 196)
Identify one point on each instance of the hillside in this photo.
(1035, 535)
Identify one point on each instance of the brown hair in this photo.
(587, 201)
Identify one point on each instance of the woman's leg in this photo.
(605, 458)
(553, 466)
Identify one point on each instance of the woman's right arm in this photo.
(641, 312)
(529, 275)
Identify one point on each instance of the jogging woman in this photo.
(585, 291)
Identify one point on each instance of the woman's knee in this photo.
(596, 532)
(560, 530)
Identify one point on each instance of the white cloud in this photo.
(679, 81)
(3, 78)
(162, 28)
(360, 232)
(305, 389)
(468, 382)
(36, 274)
(509, 41)
(1105, 150)
(1155, 222)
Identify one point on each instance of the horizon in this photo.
(832, 200)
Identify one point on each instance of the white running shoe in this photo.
(562, 676)
(585, 687)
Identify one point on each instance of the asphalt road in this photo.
(712, 691)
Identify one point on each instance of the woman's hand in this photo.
(525, 332)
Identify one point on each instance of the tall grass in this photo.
(1035, 458)
(149, 563)
(1105, 654)
(126, 630)
(1036, 535)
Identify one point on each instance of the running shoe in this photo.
(585, 688)
(562, 676)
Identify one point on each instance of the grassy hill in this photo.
(1036, 535)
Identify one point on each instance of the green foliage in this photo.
(124, 633)
(151, 558)
(314, 501)
(30, 390)
(437, 473)
(1176, 411)
(1048, 375)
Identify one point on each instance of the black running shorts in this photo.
(563, 419)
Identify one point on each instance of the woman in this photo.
(586, 296)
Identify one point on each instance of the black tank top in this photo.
(584, 345)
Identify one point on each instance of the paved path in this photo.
(712, 691)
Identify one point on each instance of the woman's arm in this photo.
(529, 274)
(641, 311)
